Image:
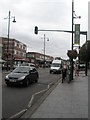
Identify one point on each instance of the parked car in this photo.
(23, 75)
(25, 64)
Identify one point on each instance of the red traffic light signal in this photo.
(36, 30)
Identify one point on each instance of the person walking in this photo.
(76, 70)
(64, 70)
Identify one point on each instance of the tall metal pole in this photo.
(72, 39)
(86, 56)
(44, 49)
(8, 38)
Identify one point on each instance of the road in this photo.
(15, 99)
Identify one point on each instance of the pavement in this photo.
(65, 101)
(0, 77)
(0, 94)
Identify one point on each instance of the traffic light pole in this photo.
(44, 50)
(86, 56)
(81, 32)
(72, 39)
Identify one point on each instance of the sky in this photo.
(46, 14)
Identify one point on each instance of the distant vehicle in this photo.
(31, 64)
(25, 64)
(56, 66)
(22, 75)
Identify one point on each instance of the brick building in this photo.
(38, 58)
(13, 51)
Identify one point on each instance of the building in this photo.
(38, 58)
(13, 52)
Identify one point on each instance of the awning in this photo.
(21, 59)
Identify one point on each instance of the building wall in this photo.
(89, 20)
(36, 57)
(16, 50)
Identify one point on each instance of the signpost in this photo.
(77, 34)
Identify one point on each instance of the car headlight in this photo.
(7, 77)
(21, 78)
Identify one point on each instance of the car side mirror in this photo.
(30, 71)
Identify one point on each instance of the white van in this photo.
(56, 66)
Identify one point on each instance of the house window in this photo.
(17, 45)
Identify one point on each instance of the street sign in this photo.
(77, 34)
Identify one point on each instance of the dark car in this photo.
(23, 75)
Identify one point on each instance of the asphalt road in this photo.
(15, 99)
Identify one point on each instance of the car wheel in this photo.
(27, 83)
(50, 72)
(37, 79)
(7, 84)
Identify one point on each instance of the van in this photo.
(56, 66)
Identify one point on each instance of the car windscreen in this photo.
(56, 65)
(21, 70)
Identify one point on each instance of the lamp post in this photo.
(86, 55)
(74, 16)
(9, 17)
(45, 47)
(72, 39)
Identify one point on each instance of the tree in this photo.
(85, 55)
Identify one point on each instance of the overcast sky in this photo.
(46, 14)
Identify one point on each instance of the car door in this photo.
(31, 75)
(34, 74)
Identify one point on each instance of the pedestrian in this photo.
(64, 71)
(9, 67)
(76, 70)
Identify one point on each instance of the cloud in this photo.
(46, 14)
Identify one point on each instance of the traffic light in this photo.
(36, 30)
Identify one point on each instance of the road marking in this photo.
(18, 114)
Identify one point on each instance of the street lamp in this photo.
(9, 17)
(74, 16)
(45, 46)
